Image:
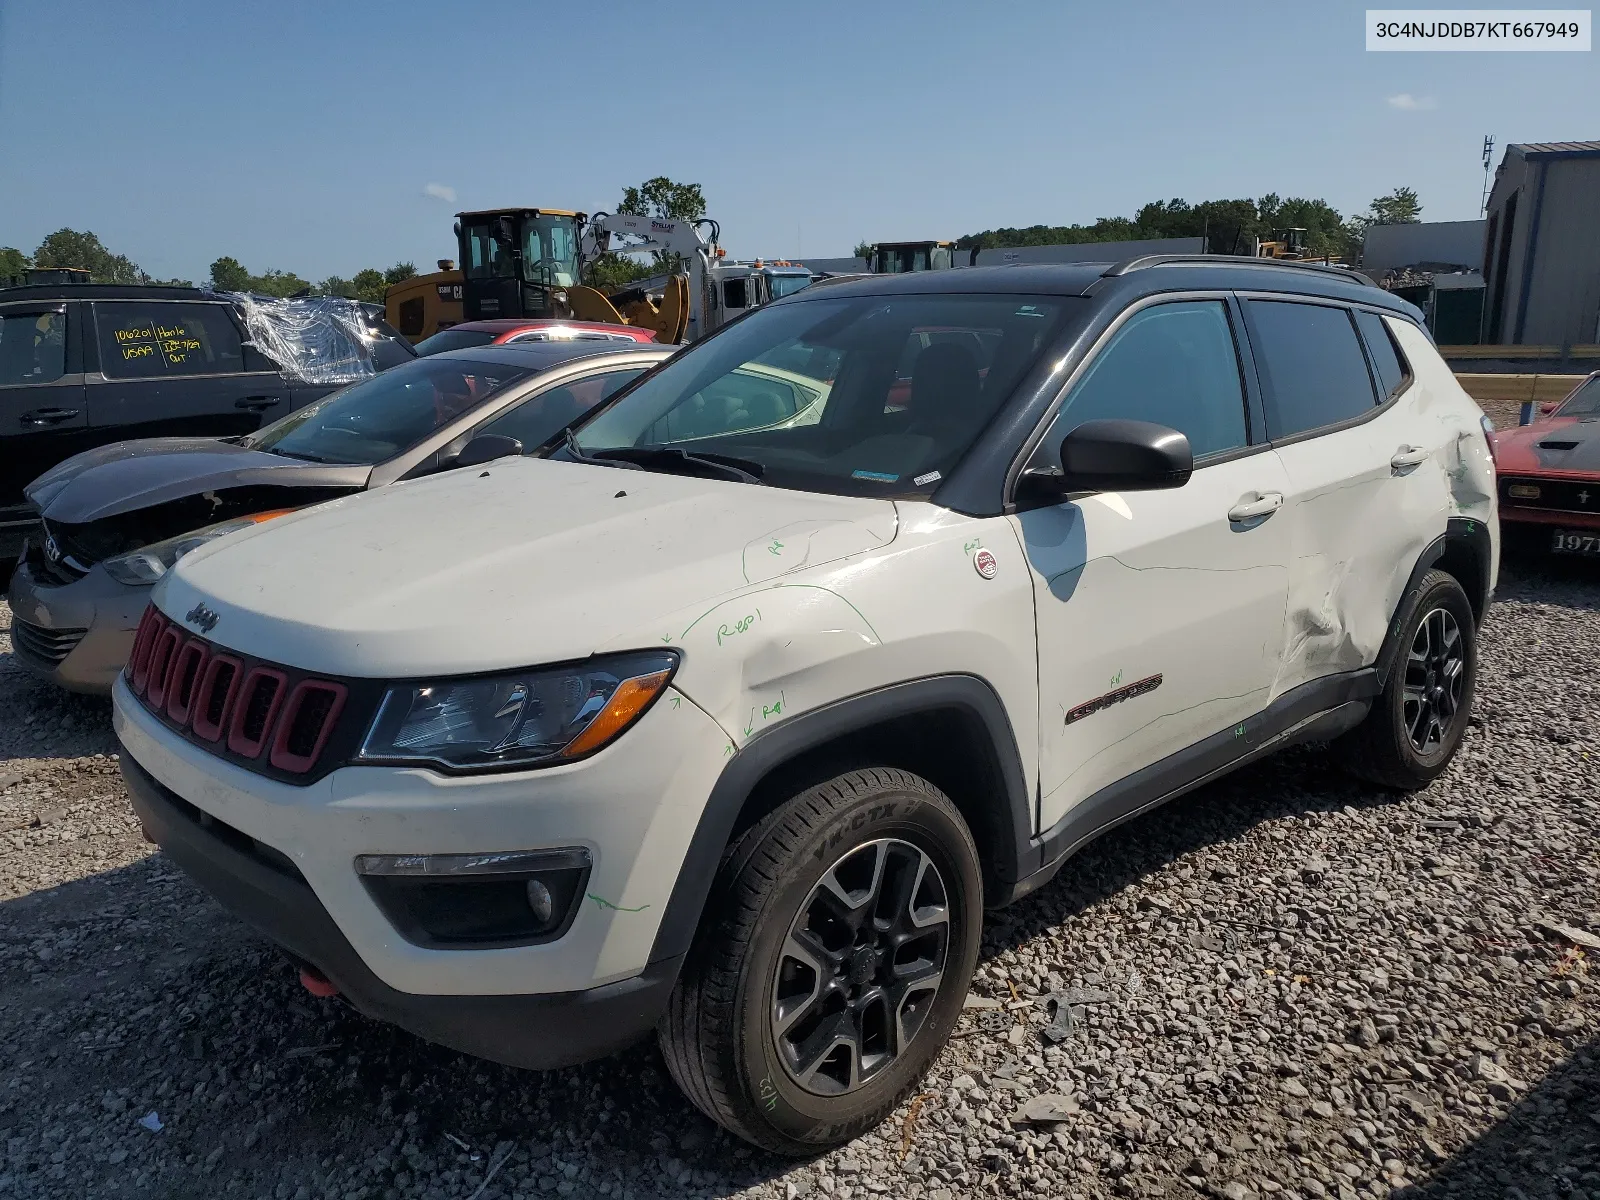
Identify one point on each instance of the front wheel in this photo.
(1417, 722)
(837, 948)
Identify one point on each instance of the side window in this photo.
(539, 418)
(141, 341)
(1174, 364)
(412, 317)
(33, 347)
(735, 294)
(1386, 359)
(742, 400)
(1313, 372)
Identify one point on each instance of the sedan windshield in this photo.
(877, 395)
(453, 339)
(387, 414)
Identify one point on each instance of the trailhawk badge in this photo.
(202, 618)
(985, 563)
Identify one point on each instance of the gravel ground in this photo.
(1284, 985)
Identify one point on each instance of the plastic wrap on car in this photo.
(317, 340)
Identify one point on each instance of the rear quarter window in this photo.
(1312, 368)
(1387, 361)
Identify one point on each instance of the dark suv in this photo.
(82, 365)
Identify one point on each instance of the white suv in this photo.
(730, 720)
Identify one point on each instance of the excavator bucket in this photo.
(590, 305)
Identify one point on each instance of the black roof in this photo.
(1141, 276)
(102, 291)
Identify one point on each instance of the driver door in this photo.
(1159, 613)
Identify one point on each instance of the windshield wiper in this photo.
(671, 458)
(301, 457)
(570, 440)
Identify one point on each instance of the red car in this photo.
(1550, 474)
(527, 329)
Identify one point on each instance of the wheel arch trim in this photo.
(967, 695)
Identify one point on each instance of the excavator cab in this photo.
(518, 262)
(895, 258)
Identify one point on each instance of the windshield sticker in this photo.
(925, 480)
(876, 476)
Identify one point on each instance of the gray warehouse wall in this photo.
(1563, 302)
(1387, 247)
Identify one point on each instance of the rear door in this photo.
(170, 368)
(1366, 489)
(42, 411)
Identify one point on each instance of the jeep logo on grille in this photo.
(202, 618)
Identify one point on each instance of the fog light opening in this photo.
(541, 902)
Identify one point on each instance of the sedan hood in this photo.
(1559, 445)
(528, 561)
(127, 476)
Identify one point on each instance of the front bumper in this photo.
(633, 806)
(77, 634)
(537, 1031)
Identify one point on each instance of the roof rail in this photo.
(1231, 260)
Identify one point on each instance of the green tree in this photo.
(863, 250)
(69, 248)
(13, 263)
(229, 275)
(1399, 207)
(337, 285)
(368, 284)
(400, 272)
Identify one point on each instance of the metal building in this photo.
(1542, 246)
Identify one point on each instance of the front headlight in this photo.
(142, 567)
(519, 718)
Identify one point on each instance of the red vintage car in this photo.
(1550, 475)
(503, 331)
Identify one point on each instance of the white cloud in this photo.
(440, 191)
(1406, 102)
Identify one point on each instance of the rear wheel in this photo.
(1417, 722)
(839, 942)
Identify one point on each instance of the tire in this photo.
(1421, 692)
(751, 1004)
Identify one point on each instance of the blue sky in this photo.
(306, 136)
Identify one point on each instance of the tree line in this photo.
(85, 251)
(1229, 226)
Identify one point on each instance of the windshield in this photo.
(1585, 402)
(788, 285)
(896, 260)
(877, 396)
(380, 417)
(550, 251)
(453, 339)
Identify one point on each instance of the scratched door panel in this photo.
(1159, 623)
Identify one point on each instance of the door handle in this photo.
(257, 403)
(1253, 504)
(48, 416)
(1407, 457)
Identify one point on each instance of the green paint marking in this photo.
(775, 547)
(727, 750)
(1238, 731)
(677, 701)
(1116, 679)
(666, 637)
(972, 545)
(602, 902)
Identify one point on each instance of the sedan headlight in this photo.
(142, 567)
(519, 718)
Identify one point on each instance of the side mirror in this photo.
(487, 447)
(1547, 409)
(1114, 456)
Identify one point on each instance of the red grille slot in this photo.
(139, 656)
(308, 718)
(213, 696)
(162, 655)
(185, 675)
(254, 710)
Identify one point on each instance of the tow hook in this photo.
(316, 984)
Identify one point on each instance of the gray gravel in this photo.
(1285, 985)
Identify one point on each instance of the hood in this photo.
(126, 476)
(1558, 444)
(528, 561)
